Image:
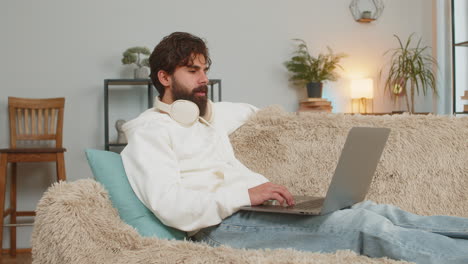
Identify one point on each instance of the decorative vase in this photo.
(314, 90)
(121, 138)
(141, 73)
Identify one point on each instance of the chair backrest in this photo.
(36, 119)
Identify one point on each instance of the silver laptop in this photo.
(351, 181)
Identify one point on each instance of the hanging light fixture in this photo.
(366, 13)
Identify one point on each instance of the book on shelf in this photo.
(315, 110)
(465, 108)
(326, 108)
(316, 103)
(313, 100)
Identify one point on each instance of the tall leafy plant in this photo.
(306, 68)
(411, 71)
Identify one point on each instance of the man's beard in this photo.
(179, 92)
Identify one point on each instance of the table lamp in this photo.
(362, 91)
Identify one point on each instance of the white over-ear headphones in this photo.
(184, 112)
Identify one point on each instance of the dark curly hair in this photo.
(177, 49)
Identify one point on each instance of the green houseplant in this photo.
(134, 56)
(313, 71)
(411, 71)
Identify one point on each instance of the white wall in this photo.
(54, 48)
(442, 50)
(461, 52)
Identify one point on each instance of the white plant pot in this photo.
(141, 73)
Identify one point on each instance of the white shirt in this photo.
(188, 176)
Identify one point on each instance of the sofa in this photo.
(423, 169)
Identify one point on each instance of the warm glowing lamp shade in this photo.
(362, 90)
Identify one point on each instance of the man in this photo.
(181, 165)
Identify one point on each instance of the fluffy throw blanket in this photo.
(77, 224)
(423, 170)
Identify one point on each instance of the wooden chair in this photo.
(32, 121)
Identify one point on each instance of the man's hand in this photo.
(269, 191)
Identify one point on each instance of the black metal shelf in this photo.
(116, 82)
(147, 82)
(117, 144)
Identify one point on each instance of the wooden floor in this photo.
(21, 258)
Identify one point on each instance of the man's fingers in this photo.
(278, 198)
(268, 191)
(283, 191)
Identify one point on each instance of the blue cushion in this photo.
(108, 169)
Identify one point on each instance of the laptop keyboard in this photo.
(311, 204)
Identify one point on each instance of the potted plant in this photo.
(411, 71)
(313, 71)
(133, 55)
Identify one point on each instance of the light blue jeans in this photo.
(374, 230)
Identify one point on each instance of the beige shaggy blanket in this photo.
(77, 224)
(423, 169)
